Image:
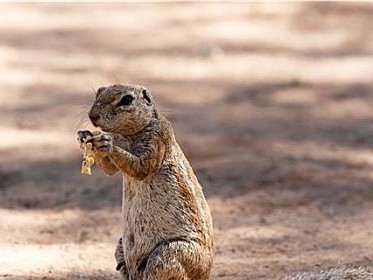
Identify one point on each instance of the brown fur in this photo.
(167, 222)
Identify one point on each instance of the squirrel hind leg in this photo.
(178, 260)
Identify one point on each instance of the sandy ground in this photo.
(272, 104)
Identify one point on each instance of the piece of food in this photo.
(84, 138)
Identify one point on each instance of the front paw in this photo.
(83, 135)
(102, 144)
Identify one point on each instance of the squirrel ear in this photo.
(147, 97)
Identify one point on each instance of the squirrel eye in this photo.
(126, 100)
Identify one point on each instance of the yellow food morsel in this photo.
(88, 154)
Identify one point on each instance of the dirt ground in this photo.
(272, 104)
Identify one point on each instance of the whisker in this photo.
(83, 123)
(84, 112)
(80, 123)
(81, 116)
(91, 87)
(93, 90)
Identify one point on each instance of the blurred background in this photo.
(272, 104)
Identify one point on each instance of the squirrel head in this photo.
(123, 109)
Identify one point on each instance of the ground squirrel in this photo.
(167, 222)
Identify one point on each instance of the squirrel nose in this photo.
(94, 117)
